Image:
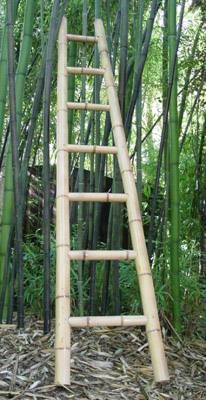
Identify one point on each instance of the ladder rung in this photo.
(80, 38)
(79, 148)
(8, 326)
(122, 320)
(85, 71)
(101, 197)
(102, 255)
(88, 106)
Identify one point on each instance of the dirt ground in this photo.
(106, 364)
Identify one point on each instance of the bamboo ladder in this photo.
(64, 322)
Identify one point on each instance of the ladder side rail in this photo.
(62, 326)
(153, 329)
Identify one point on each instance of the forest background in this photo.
(158, 52)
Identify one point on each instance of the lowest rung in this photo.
(101, 197)
(102, 255)
(80, 148)
(122, 320)
(81, 38)
(88, 106)
(85, 71)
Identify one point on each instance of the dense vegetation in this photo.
(158, 55)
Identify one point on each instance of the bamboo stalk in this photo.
(173, 141)
(102, 255)
(85, 71)
(88, 106)
(103, 197)
(78, 148)
(81, 38)
(120, 320)
(81, 183)
(18, 254)
(137, 234)
(62, 327)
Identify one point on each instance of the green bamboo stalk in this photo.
(46, 162)
(166, 147)
(81, 167)
(105, 140)
(107, 129)
(116, 242)
(8, 200)
(195, 102)
(4, 71)
(152, 226)
(36, 108)
(107, 269)
(174, 172)
(140, 65)
(97, 87)
(190, 64)
(139, 106)
(42, 5)
(72, 56)
(16, 166)
(200, 181)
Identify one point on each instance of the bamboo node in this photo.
(153, 330)
(62, 296)
(144, 273)
(103, 51)
(63, 245)
(114, 126)
(135, 220)
(62, 348)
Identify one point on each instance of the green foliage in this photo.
(33, 272)
(193, 291)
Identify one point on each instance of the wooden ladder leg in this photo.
(136, 229)
(62, 327)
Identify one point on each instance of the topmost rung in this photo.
(80, 38)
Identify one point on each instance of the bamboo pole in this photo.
(8, 326)
(116, 320)
(62, 328)
(85, 71)
(102, 255)
(78, 148)
(134, 216)
(81, 38)
(88, 106)
(103, 197)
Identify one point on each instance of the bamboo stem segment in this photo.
(120, 320)
(101, 197)
(87, 106)
(85, 71)
(102, 255)
(136, 229)
(80, 148)
(80, 38)
(62, 327)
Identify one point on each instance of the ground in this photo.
(106, 364)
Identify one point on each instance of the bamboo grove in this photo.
(157, 51)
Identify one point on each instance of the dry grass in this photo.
(106, 364)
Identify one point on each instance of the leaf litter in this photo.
(105, 364)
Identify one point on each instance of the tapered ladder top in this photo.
(138, 253)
